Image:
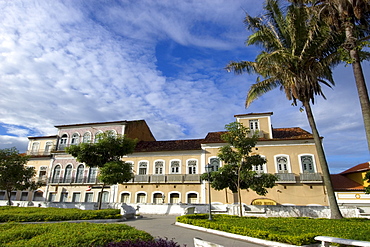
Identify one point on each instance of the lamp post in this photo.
(208, 170)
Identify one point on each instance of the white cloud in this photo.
(65, 62)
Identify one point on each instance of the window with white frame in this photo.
(307, 163)
(261, 168)
(63, 196)
(76, 197)
(89, 197)
(56, 174)
(158, 167)
(143, 167)
(68, 174)
(48, 147)
(175, 166)
(80, 173)
(112, 133)
(254, 124)
(24, 196)
(105, 197)
(141, 198)
(92, 174)
(63, 141)
(86, 137)
(52, 196)
(98, 136)
(38, 195)
(42, 172)
(125, 197)
(175, 198)
(35, 148)
(215, 163)
(192, 166)
(282, 164)
(75, 139)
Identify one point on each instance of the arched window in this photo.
(158, 166)
(307, 163)
(75, 139)
(125, 197)
(80, 174)
(215, 163)
(56, 175)
(192, 198)
(105, 197)
(98, 136)
(192, 166)
(175, 166)
(158, 198)
(143, 167)
(92, 174)
(175, 198)
(35, 148)
(68, 174)
(48, 147)
(86, 137)
(282, 164)
(141, 198)
(63, 142)
(112, 133)
(38, 195)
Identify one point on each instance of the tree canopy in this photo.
(14, 174)
(298, 53)
(237, 172)
(106, 154)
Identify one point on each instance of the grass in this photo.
(67, 234)
(31, 214)
(297, 231)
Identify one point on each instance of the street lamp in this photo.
(209, 169)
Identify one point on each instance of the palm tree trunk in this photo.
(359, 78)
(362, 93)
(334, 209)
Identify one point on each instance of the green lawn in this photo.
(31, 214)
(67, 234)
(297, 231)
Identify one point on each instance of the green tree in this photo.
(297, 57)
(237, 173)
(106, 154)
(352, 19)
(14, 174)
(367, 179)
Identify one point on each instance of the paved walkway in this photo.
(164, 226)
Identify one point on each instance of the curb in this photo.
(236, 236)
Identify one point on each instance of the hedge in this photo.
(31, 214)
(296, 231)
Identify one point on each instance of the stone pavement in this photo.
(164, 226)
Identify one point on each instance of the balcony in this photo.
(39, 152)
(285, 178)
(158, 178)
(74, 180)
(141, 179)
(192, 178)
(175, 178)
(309, 178)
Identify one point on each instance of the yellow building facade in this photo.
(169, 171)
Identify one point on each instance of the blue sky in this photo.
(74, 61)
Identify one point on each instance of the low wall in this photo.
(181, 208)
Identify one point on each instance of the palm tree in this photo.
(297, 57)
(351, 17)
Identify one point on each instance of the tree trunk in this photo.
(9, 193)
(100, 197)
(239, 193)
(334, 209)
(359, 78)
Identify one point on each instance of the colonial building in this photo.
(349, 185)
(169, 171)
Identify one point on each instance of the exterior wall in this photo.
(358, 177)
(162, 188)
(40, 143)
